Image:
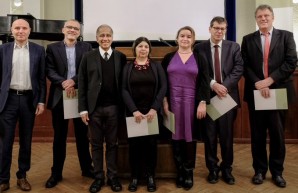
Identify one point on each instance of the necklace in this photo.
(185, 52)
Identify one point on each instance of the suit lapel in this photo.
(117, 65)
(98, 63)
(207, 48)
(62, 52)
(78, 54)
(31, 58)
(257, 40)
(274, 38)
(9, 55)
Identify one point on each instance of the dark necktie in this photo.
(266, 54)
(106, 56)
(216, 64)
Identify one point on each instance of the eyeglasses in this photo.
(219, 29)
(72, 27)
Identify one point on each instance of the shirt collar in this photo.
(102, 52)
(18, 46)
(270, 31)
(213, 44)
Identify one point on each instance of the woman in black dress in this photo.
(143, 89)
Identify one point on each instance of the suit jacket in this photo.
(282, 62)
(231, 65)
(90, 78)
(37, 72)
(57, 68)
(160, 86)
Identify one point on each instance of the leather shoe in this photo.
(115, 184)
(279, 181)
(228, 177)
(212, 177)
(133, 185)
(96, 185)
(4, 186)
(258, 178)
(23, 184)
(88, 174)
(151, 185)
(180, 179)
(53, 181)
(188, 182)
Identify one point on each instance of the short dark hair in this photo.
(263, 7)
(219, 20)
(137, 42)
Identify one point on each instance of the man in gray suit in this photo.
(225, 70)
(62, 66)
(100, 105)
(281, 60)
(22, 97)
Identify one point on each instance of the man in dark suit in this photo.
(261, 75)
(100, 105)
(62, 66)
(224, 76)
(22, 97)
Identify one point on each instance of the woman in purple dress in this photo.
(187, 94)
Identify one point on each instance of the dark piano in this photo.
(40, 29)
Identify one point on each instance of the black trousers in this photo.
(272, 121)
(103, 126)
(60, 126)
(222, 130)
(18, 108)
(142, 155)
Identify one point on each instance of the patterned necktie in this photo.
(266, 54)
(217, 64)
(106, 56)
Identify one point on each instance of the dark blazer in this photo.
(90, 78)
(37, 72)
(57, 68)
(202, 79)
(282, 62)
(160, 87)
(231, 65)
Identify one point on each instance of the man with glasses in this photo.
(270, 59)
(62, 65)
(225, 70)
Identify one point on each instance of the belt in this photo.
(20, 92)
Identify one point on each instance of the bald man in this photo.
(22, 97)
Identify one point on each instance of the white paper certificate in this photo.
(144, 128)
(277, 100)
(169, 121)
(219, 106)
(70, 106)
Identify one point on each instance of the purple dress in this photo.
(182, 86)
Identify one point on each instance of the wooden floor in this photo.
(74, 183)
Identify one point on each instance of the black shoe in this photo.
(212, 177)
(96, 185)
(180, 180)
(53, 181)
(88, 174)
(228, 177)
(115, 184)
(151, 186)
(188, 181)
(133, 185)
(258, 178)
(279, 181)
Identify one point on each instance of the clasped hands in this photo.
(263, 86)
(68, 86)
(139, 116)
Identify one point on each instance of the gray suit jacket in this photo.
(37, 72)
(57, 68)
(90, 78)
(231, 65)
